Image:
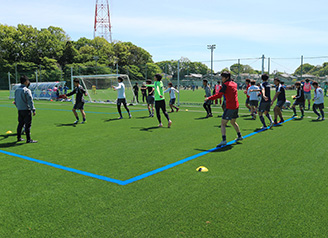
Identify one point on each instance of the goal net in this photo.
(99, 87)
(43, 90)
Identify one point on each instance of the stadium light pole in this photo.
(212, 48)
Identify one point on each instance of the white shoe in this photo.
(239, 138)
(77, 121)
(170, 123)
(160, 125)
(271, 124)
(222, 143)
(264, 127)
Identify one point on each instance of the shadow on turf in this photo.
(315, 120)
(10, 144)
(148, 129)
(219, 126)
(7, 135)
(143, 117)
(219, 149)
(68, 124)
(201, 118)
(112, 119)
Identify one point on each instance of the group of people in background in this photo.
(258, 100)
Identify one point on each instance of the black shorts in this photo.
(265, 106)
(229, 114)
(120, 101)
(208, 102)
(79, 106)
(318, 106)
(150, 100)
(280, 104)
(296, 103)
(254, 103)
(172, 101)
(247, 101)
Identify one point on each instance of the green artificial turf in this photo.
(272, 184)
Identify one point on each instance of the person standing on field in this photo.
(229, 90)
(318, 101)
(25, 106)
(160, 100)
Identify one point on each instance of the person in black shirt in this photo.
(299, 99)
(150, 99)
(143, 90)
(136, 91)
(79, 100)
(281, 99)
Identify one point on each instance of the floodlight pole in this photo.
(263, 64)
(178, 79)
(212, 48)
(301, 67)
(269, 62)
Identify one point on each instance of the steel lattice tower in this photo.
(103, 27)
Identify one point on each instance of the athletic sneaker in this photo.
(77, 121)
(150, 115)
(83, 122)
(178, 109)
(32, 141)
(239, 138)
(322, 119)
(295, 115)
(281, 121)
(263, 127)
(210, 115)
(271, 124)
(222, 143)
(170, 123)
(318, 118)
(120, 118)
(172, 110)
(302, 116)
(130, 116)
(160, 125)
(20, 139)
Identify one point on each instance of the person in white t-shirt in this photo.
(172, 92)
(318, 101)
(253, 93)
(121, 97)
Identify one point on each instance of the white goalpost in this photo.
(99, 87)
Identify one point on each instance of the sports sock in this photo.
(269, 117)
(238, 134)
(322, 113)
(224, 137)
(84, 118)
(316, 112)
(302, 111)
(294, 110)
(77, 118)
(262, 120)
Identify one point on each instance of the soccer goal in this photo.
(99, 87)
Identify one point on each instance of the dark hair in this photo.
(120, 78)
(23, 79)
(278, 80)
(158, 77)
(226, 74)
(298, 83)
(76, 81)
(205, 80)
(282, 82)
(253, 82)
(148, 81)
(248, 80)
(171, 84)
(315, 83)
(307, 80)
(265, 77)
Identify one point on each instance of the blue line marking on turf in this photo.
(139, 177)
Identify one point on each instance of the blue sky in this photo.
(174, 29)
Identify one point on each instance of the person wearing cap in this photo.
(25, 106)
(229, 90)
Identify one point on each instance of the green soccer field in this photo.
(272, 184)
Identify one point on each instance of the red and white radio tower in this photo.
(103, 28)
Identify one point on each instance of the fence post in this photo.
(179, 82)
(9, 82)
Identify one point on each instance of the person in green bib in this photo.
(160, 100)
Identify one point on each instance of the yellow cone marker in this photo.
(202, 169)
(186, 110)
(9, 132)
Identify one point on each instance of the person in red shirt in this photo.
(229, 90)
